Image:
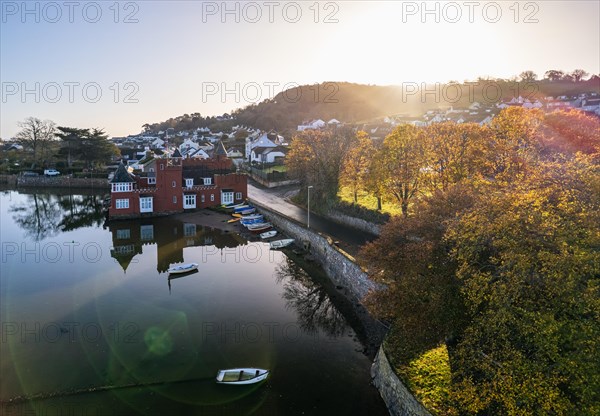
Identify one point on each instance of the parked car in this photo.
(28, 173)
(51, 172)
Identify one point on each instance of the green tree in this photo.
(88, 145)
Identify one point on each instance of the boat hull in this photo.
(241, 376)
(184, 268)
(280, 243)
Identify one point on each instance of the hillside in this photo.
(352, 103)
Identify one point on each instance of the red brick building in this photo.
(174, 184)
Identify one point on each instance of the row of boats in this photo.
(255, 223)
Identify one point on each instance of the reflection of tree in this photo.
(44, 215)
(310, 300)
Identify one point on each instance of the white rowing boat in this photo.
(241, 376)
(281, 243)
(183, 268)
(268, 234)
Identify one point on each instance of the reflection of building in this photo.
(169, 235)
(173, 184)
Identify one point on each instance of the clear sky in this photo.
(118, 65)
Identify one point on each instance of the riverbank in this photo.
(340, 268)
(353, 283)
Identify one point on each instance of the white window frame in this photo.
(151, 181)
(202, 198)
(207, 181)
(238, 196)
(189, 182)
(146, 204)
(226, 198)
(174, 199)
(189, 201)
(174, 184)
(212, 197)
(122, 187)
(122, 203)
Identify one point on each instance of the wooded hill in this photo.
(352, 103)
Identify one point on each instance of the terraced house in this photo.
(173, 184)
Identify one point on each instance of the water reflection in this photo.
(42, 215)
(170, 236)
(311, 301)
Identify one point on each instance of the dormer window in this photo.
(189, 182)
(207, 181)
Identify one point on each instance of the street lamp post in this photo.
(308, 222)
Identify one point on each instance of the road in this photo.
(349, 238)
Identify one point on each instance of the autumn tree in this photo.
(316, 158)
(422, 298)
(355, 167)
(528, 259)
(36, 136)
(513, 141)
(401, 162)
(454, 153)
(569, 132)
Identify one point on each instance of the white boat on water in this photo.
(183, 268)
(281, 243)
(241, 376)
(268, 234)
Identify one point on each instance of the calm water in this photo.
(89, 309)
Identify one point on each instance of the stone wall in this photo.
(354, 222)
(339, 265)
(398, 399)
(270, 184)
(62, 182)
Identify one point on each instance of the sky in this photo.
(118, 65)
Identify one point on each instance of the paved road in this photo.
(349, 239)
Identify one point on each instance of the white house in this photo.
(312, 125)
(261, 141)
(267, 154)
(188, 146)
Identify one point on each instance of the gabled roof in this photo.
(121, 175)
(220, 149)
(176, 153)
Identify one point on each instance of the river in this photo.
(92, 325)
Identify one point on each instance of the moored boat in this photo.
(241, 376)
(259, 228)
(183, 268)
(241, 208)
(257, 225)
(268, 234)
(233, 206)
(251, 217)
(248, 211)
(254, 221)
(281, 243)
